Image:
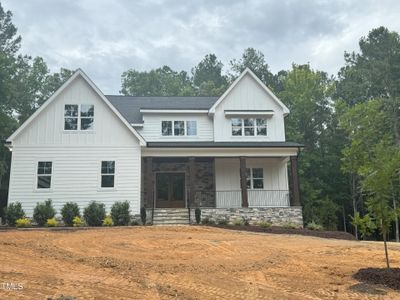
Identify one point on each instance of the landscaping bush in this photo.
(314, 226)
(23, 222)
(108, 221)
(94, 213)
(222, 221)
(208, 221)
(246, 221)
(77, 222)
(120, 213)
(143, 215)
(290, 225)
(51, 222)
(238, 222)
(135, 222)
(14, 212)
(197, 214)
(264, 224)
(43, 211)
(69, 211)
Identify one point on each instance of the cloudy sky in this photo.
(105, 38)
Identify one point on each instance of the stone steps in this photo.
(170, 216)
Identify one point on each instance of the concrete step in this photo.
(170, 216)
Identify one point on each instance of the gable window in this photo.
(107, 173)
(44, 170)
(71, 117)
(178, 128)
(249, 127)
(255, 178)
(78, 117)
(87, 117)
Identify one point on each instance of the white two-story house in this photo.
(226, 155)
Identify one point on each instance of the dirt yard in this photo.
(185, 262)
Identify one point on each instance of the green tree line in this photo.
(348, 123)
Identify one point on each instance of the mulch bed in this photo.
(300, 231)
(387, 277)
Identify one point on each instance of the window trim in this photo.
(79, 119)
(251, 178)
(185, 128)
(255, 127)
(43, 190)
(100, 175)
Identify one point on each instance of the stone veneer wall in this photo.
(276, 215)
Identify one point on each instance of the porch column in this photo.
(149, 182)
(295, 190)
(192, 179)
(243, 182)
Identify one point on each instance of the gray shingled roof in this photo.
(129, 106)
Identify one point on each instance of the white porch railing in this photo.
(233, 198)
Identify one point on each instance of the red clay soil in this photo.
(186, 262)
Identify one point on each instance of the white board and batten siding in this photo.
(248, 95)
(151, 130)
(76, 171)
(227, 182)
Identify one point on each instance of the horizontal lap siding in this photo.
(76, 176)
(151, 130)
(76, 155)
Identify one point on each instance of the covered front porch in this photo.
(219, 182)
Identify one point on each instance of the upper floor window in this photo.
(179, 128)
(249, 127)
(44, 170)
(78, 117)
(255, 178)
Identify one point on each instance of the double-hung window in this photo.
(78, 117)
(107, 174)
(249, 127)
(179, 128)
(44, 171)
(255, 178)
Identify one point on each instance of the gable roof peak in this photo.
(248, 71)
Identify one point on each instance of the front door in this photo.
(170, 190)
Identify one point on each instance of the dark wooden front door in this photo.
(170, 190)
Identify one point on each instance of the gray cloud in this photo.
(105, 38)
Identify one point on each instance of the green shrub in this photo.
(94, 213)
(264, 224)
(222, 221)
(314, 226)
(290, 225)
(207, 221)
(23, 222)
(120, 213)
(51, 222)
(108, 221)
(43, 211)
(238, 222)
(69, 211)
(14, 212)
(143, 215)
(135, 222)
(246, 221)
(77, 222)
(197, 214)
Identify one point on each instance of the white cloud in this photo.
(106, 38)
